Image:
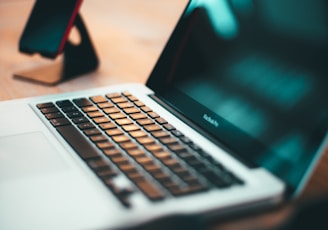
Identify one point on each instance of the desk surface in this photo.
(128, 36)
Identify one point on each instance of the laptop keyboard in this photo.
(118, 134)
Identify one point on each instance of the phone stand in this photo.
(77, 60)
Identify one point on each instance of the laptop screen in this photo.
(252, 74)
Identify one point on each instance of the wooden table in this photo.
(128, 36)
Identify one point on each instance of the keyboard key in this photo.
(112, 152)
(45, 105)
(78, 142)
(136, 153)
(139, 133)
(119, 99)
(111, 110)
(160, 134)
(105, 105)
(60, 122)
(78, 120)
(49, 110)
(87, 125)
(138, 116)
(74, 114)
(145, 121)
(64, 103)
(105, 145)
(98, 99)
(114, 132)
(153, 115)
(95, 114)
(129, 128)
(99, 120)
(90, 109)
(91, 132)
(50, 116)
(113, 95)
(98, 138)
(115, 116)
(82, 102)
(150, 190)
(128, 145)
(151, 128)
(69, 109)
(107, 125)
(124, 121)
(146, 109)
(125, 105)
(131, 110)
(121, 138)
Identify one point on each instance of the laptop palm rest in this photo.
(26, 155)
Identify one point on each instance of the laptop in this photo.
(232, 118)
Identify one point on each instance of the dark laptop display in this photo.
(248, 72)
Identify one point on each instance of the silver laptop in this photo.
(232, 118)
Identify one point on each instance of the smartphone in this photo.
(48, 27)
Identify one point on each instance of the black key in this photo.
(78, 120)
(60, 122)
(177, 148)
(74, 114)
(87, 125)
(64, 103)
(69, 109)
(82, 102)
(78, 142)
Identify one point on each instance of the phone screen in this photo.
(48, 27)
